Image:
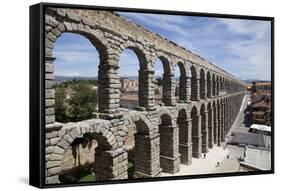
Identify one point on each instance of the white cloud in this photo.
(70, 56)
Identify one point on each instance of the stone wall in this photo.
(163, 136)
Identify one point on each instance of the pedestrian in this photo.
(218, 163)
(204, 155)
(227, 156)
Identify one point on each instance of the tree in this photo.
(82, 103)
(60, 108)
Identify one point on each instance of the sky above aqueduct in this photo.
(241, 47)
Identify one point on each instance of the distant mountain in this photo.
(68, 78)
(255, 80)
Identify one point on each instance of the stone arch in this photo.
(183, 83)
(219, 121)
(143, 78)
(169, 150)
(210, 125)
(213, 85)
(204, 127)
(105, 151)
(168, 88)
(69, 22)
(221, 84)
(140, 51)
(146, 163)
(217, 85)
(226, 85)
(202, 84)
(194, 84)
(215, 122)
(209, 85)
(223, 119)
(196, 132)
(184, 124)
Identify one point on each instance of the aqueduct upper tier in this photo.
(164, 136)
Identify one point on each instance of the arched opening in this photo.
(83, 159)
(219, 123)
(168, 146)
(177, 85)
(209, 85)
(184, 137)
(217, 86)
(181, 83)
(196, 133)
(129, 62)
(210, 126)
(79, 160)
(204, 129)
(215, 123)
(202, 84)
(138, 148)
(226, 85)
(223, 119)
(194, 84)
(163, 91)
(221, 84)
(76, 77)
(214, 85)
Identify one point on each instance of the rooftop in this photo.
(257, 158)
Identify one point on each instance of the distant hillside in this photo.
(67, 78)
(255, 80)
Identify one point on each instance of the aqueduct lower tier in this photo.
(165, 136)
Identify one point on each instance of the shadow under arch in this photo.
(196, 133)
(143, 163)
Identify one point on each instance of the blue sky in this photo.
(241, 47)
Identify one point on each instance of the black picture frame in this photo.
(37, 94)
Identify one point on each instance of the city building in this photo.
(261, 109)
(263, 87)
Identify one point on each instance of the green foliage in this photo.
(81, 101)
(60, 108)
(131, 168)
(88, 178)
(80, 176)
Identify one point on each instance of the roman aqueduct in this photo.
(165, 136)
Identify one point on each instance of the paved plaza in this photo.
(227, 157)
(203, 165)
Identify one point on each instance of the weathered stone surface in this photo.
(73, 16)
(51, 164)
(49, 94)
(53, 171)
(58, 150)
(159, 142)
(52, 179)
